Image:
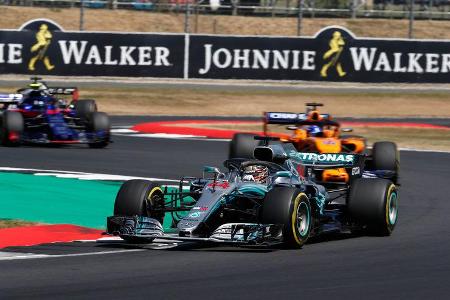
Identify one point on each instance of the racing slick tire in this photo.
(85, 107)
(373, 202)
(242, 146)
(99, 121)
(139, 197)
(291, 208)
(12, 125)
(385, 156)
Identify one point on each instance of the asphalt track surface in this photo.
(414, 263)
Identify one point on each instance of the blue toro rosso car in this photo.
(39, 115)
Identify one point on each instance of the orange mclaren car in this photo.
(315, 132)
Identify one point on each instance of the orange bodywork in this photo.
(329, 141)
(335, 175)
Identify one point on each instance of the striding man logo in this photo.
(333, 55)
(43, 40)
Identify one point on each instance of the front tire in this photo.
(99, 122)
(84, 108)
(385, 156)
(139, 198)
(374, 203)
(291, 208)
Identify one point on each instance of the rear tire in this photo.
(99, 121)
(137, 198)
(12, 125)
(242, 146)
(291, 208)
(374, 203)
(84, 108)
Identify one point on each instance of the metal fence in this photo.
(423, 9)
(393, 9)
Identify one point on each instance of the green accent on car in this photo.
(308, 158)
(253, 189)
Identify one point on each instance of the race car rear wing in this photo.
(10, 98)
(288, 117)
(55, 91)
(65, 91)
(298, 119)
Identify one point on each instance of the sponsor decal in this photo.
(202, 208)
(329, 142)
(284, 116)
(42, 47)
(43, 41)
(338, 158)
(356, 171)
(194, 215)
(335, 54)
(221, 185)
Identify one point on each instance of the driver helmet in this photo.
(314, 130)
(256, 173)
(36, 86)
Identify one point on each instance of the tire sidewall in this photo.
(134, 198)
(391, 195)
(293, 236)
(369, 205)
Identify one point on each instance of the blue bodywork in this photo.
(47, 120)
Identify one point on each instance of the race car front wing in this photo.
(146, 228)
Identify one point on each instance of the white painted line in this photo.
(203, 138)
(167, 135)
(99, 177)
(21, 256)
(423, 150)
(123, 130)
(38, 170)
(82, 175)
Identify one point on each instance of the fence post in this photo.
(299, 17)
(81, 15)
(234, 7)
(187, 7)
(430, 11)
(353, 9)
(411, 19)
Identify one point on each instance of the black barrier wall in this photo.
(334, 54)
(41, 47)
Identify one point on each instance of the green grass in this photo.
(8, 223)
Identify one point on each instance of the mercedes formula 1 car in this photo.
(38, 114)
(319, 133)
(261, 201)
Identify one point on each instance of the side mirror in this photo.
(284, 174)
(214, 170)
(347, 129)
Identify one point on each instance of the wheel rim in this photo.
(302, 219)
(392, 208)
